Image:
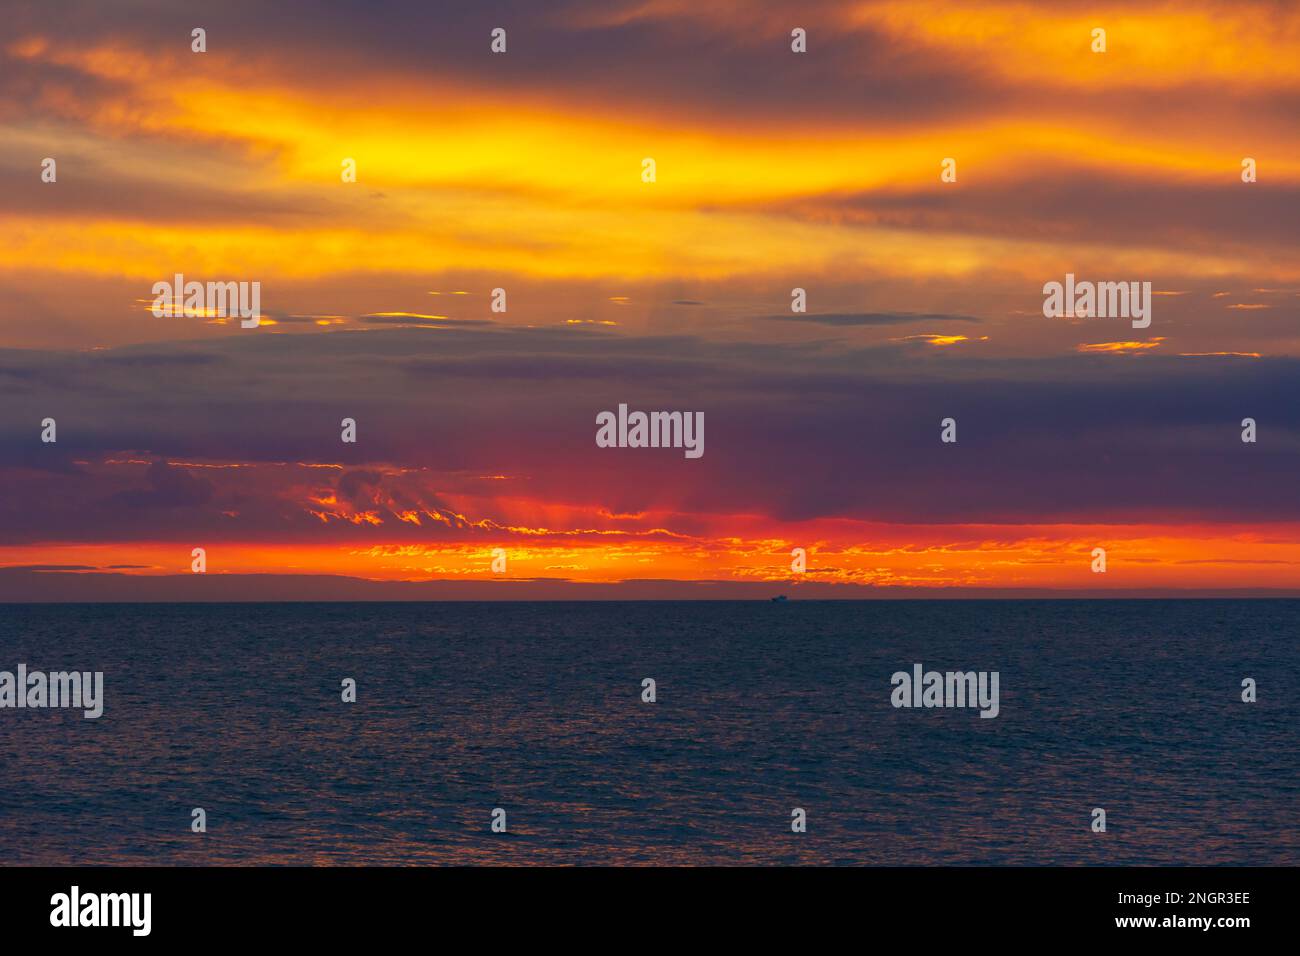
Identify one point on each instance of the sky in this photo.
(524, 170)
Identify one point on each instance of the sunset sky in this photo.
(774, 170)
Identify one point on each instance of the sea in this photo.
(535, 716)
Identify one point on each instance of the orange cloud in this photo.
(1122, 346)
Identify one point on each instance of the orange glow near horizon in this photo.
(890, 556)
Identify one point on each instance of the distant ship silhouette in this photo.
(780, 599)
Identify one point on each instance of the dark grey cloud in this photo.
(582, 47)
(792, 431)
(737, 66)
(169, 486)
(44, 568)
(1094, 207)
(87, 189)
(143, 359)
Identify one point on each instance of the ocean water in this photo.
(1132, 706)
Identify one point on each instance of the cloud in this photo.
(169, 487)
(1120, 203)
(412, 318)
(868, 318)
(793, 433)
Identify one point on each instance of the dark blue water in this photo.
(1131, 706)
